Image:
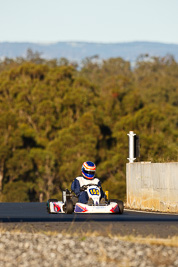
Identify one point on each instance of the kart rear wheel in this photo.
(120, 205)
(52, 200)
(69, 207)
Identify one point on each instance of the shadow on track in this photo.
(36, 212)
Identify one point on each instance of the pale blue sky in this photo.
(89, 20)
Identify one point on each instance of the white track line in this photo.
(153, 212)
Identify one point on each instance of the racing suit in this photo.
(79, 182)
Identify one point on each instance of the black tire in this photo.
(120, 205)
(69, 207)
(52, 200)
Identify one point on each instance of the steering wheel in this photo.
(84, 187)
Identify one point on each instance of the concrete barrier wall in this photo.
(152, 186)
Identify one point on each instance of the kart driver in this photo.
(87, 178)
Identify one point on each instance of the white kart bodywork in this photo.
(84, 208)
(56, 207)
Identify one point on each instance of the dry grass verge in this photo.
(149, 240)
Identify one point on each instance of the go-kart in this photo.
(70, 204)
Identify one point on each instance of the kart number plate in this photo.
(94, 191)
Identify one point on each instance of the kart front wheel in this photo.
(69, 207)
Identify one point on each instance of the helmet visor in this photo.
(90, 172)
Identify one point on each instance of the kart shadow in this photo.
(126, 217)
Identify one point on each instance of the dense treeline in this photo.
(54, 116)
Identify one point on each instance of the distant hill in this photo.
(79, 50)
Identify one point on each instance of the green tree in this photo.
(54, 116)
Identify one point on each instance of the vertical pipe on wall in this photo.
(131, 135)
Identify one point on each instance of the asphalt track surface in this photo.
(33, 217)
